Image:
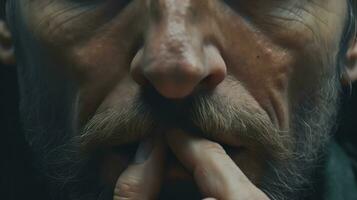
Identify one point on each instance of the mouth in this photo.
(177, 180)
(127, 152)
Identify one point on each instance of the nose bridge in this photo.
(174, 59)
(169, 26)
(172, 49)
(170, 9)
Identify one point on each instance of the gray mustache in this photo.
(207, 114)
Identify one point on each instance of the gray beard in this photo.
(313, 123)
(49, 125)
(71, 176)
(49, 121)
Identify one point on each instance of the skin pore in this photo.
(135, 99)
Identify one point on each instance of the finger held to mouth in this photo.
(215, 173)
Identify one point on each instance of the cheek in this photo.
(279, 61)
(264, 69)
(85, 44)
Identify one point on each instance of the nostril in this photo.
(172, 78)
(209, 82)
(172, 84)
(138, 77)
(216, 66)
(135, 69)
(213, 80)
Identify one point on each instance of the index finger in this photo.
(214, 171)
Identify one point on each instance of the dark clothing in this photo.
(340, 179)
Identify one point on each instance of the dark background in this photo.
(18, 179)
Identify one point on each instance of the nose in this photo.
(175, 60)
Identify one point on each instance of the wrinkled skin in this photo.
(79, 59)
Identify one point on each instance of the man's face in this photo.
(99, 76)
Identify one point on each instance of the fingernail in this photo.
(144, 150)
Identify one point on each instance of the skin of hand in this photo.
(215, 173)
(142, 179)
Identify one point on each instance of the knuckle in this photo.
(126, 190)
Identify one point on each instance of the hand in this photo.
(215, 173)
(142, 179)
